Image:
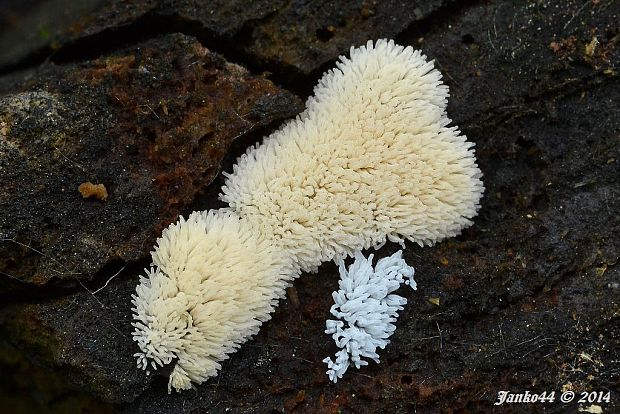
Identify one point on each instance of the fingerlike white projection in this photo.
(366, 309)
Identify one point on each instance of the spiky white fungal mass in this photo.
(366, 309)
(214, 283)
(372, 158)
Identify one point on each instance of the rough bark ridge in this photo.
(152, 99)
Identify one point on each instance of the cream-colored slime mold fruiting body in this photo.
(371, 158)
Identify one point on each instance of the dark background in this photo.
(153, 99)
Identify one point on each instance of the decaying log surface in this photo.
(153, 99)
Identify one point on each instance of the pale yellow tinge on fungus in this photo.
(371, 158)
(214, 283)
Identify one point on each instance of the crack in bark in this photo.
(154, 24)
(114, 271)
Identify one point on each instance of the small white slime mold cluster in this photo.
(366, 304)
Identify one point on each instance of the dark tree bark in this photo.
(153, 99)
